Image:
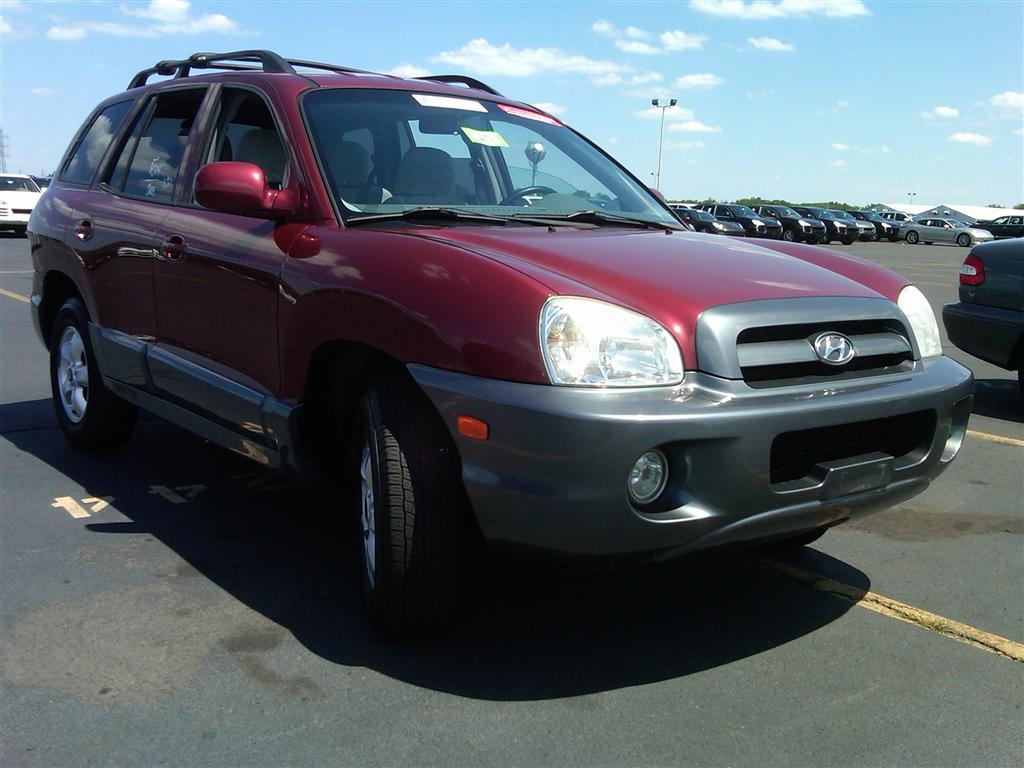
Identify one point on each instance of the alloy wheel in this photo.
(73, 375)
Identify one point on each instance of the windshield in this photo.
(871, 216)
(842, 215)
(385, 152)
(17, 184)
(958, 223)
(820, 213)
(789, 213)
(742, 210)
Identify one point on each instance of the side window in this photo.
(1016, 220)
(151, 159)
(246, 133)
(82, 165)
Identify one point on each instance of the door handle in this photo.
(83, 230)
(173, 248)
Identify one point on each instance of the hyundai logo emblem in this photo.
(833, 348)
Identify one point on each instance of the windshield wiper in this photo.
(591, 216)
(426, 213)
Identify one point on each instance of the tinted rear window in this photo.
(84, 161)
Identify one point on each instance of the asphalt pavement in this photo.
(174, 604)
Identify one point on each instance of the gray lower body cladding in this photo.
(744, 464)
(992, 333)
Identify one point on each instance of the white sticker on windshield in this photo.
(448, 102)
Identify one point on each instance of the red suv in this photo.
(473, 319)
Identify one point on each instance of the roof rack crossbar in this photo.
(472, 82)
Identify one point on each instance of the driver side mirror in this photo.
(241, 189)
(657, 193)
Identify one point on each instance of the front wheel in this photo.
(849, 240)
(913, 238)
(963, 240)
(91, 416)
(789, 236)
(410, 504)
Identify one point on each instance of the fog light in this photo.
(648, 476)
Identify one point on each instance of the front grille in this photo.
(795, 454)
(782, 355)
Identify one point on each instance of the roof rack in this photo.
(268, 61)
(472, 82)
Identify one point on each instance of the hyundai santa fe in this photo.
(474, 321)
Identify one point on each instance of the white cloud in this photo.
(881, 150)
(479, 55)
(547, 106)
(685, 145)
(672, 114)
(1012, 100)
(636, 46)
(160, 17)
(842, 103)
(941, 112)
(637, 32)
(605, 28)
(694, 126)
(612, 78)
(1019, 132)
(840, 147)
(407, 70)
(770, 44)
(704, 80)
(766, 9)
(5, 28)
(977, 139)
(646, 77)
(652, 92)
(677, 40)
(839, 164)
(43, 92)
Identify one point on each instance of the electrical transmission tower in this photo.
(3, 152)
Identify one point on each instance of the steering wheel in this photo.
(519, 194)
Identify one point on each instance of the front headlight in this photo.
(718, 225)
(922, 321)
(591, 343)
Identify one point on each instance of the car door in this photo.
(217, 282)
(1015, 228)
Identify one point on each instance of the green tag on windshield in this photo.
(487, 138)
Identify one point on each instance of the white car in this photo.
(18, 196)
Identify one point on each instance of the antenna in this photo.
(3, 152)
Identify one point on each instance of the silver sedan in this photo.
(930, 231)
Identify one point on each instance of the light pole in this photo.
(911, 195)
(661, 138)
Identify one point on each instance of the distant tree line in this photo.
(752, 201)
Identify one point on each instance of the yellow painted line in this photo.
(894, 609)
(995, 438)
(70, 506)
(13, 295)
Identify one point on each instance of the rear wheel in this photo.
(91, 416)
(963, 240)
(411, 504)
(913, 238)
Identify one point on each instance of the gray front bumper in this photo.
(552, 474)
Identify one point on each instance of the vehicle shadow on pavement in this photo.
(526, 633)
(998, 398)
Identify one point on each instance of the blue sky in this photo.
(800, 99)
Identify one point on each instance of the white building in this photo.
(968, 213)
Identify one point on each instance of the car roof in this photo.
(15, 176)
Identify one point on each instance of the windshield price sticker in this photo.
(487, 138)
(528, 114)
(448, 102)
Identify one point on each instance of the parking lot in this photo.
(174, 604)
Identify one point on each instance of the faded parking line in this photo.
(894, 609)
(13, 295)
(995, 438)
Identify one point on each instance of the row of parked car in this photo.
(812, 224)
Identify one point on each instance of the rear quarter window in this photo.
(85, 159)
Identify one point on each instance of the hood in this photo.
(669, 277)
(20, 199)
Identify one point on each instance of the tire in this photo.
(894, 238)
(927, 243)
(91, 417)
(812, 240)
(410, 501)
(825, 239)
(913, 238)
(789, 236)
(963, 240)
(849, 240)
